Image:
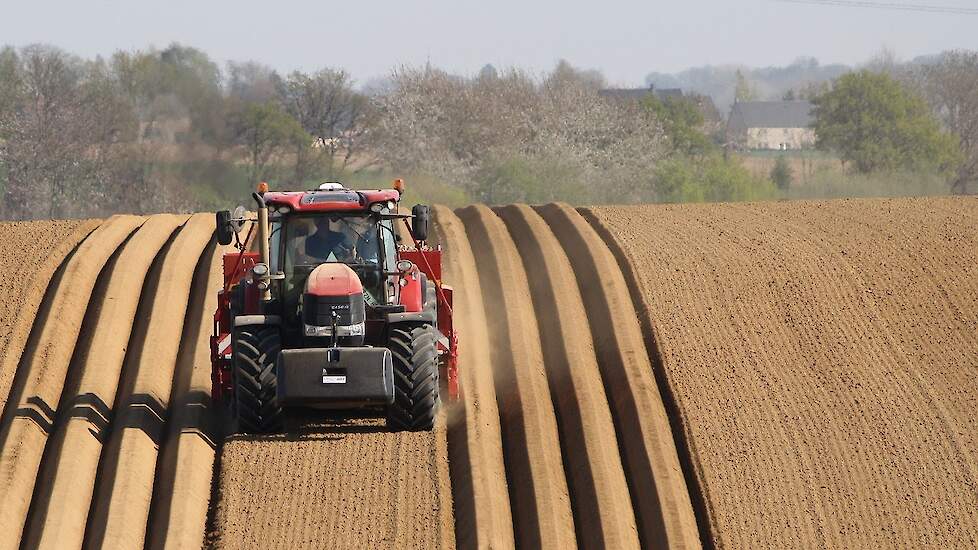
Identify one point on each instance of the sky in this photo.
(625, 40)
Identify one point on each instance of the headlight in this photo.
(347, 330)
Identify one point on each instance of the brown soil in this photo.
(603, 513)
(87, 341)
(64, 490)
(538, 487)
(483, 517)
(819, 358)
(744, 376)
(128, 465)
(338, 485)
(31, 252)
(35, 396)
(182, 490)
(659, 494)
(586, 440)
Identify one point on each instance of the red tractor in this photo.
(325, 309)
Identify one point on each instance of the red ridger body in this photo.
(322, 307)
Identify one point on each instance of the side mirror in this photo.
(419, 227)
(225, 232)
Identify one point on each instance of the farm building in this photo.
(777, 125)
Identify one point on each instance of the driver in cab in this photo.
(328, 242)
(338, 239)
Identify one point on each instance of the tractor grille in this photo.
(318, 310)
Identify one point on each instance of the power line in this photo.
(886, 6)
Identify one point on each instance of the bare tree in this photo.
(252, 82)
(950, 86)
(41, 147)
(508, 133)
(332, 112)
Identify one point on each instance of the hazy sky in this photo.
(625, 40)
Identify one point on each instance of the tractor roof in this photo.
(330, 200)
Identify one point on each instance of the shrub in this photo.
(781, 173)
(708, 179)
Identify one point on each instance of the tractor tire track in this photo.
(63, 494)
(44, 365)
(602, 510)
(483, 518)
(126, 474)
(660, 497)
(542, 512)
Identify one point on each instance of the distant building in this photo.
(772, 125)
(637, 94)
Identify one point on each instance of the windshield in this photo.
(314, 240)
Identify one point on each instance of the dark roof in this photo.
(639, 93)
(771, 114)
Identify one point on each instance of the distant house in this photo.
(772, 125)
(637, 94)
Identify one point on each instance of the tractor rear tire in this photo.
(416, 400)
(256, 408)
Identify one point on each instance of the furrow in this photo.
(660, 495)
(482, 510)
(182, 488)
(538, 488)
(126, 471)
(64, 489)
(24, 307)
(33, 404)
(600, 496)
(628, 305)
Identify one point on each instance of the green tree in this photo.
(682, 122)
(265, 130)
(872, 121)
(781, 173)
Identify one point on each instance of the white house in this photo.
(777, 125)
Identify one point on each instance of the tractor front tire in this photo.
(415, 354)
(256, 408)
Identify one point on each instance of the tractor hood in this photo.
(333, 279)
(334, 297)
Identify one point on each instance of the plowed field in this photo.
(736, 376)
(821, 360)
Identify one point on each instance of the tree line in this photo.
(171, 130)
(161, 130)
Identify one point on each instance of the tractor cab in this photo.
(335, 302)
